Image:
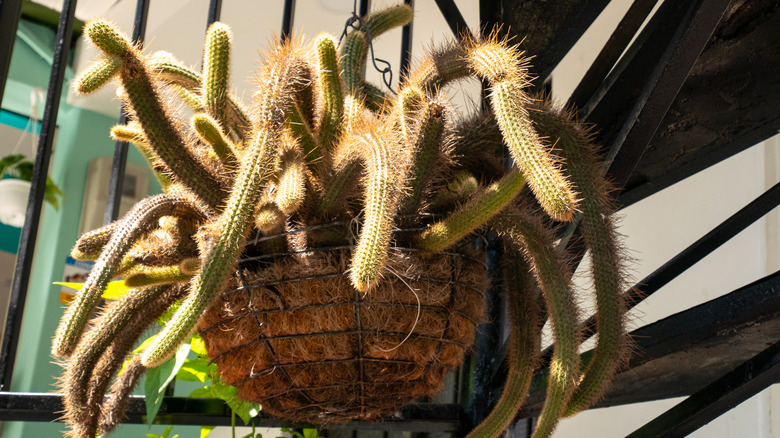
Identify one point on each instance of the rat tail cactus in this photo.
(331, 202)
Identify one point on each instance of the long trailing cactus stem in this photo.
(110, 362)
(552, 273)
(523, 348)
(474, 213)
(376, 146)
(142, 217)
(91, 348)
(504, 68)
(216, 71)
(427, 143)
(97, 75)
(278, 81)
(600, 236)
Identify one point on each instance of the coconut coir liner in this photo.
(314, 350)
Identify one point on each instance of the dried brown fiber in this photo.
(299, 340)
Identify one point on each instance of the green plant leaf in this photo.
(204, 392)
(195, 370)
(166, 433)
(8, 162)
(157, 380)
(205, 430)
(198, 346)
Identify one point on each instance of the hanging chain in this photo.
(356, 23)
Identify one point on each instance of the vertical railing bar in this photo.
(24, 256)
(449, 10)
(120, 150)
(287, 19)
(614, 47)
(365, 5)
(10, 14)
(215, 12)
(406, 48)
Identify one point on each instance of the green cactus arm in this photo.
(145, 276)
(600, 237)
(95, 342)
(339, 185)
(91, 243)
(172, 72)
(306, 137)
(522, 348)
(438, 69)
(97, 374)
(379, 22)
(113, 410)
(385, 163)
(132, 133)
(536, 242)
(291, 180)
(278, 81)
(268, 217)
(97, 75)
(462, 186)
(376, 99)
(504, 68)
(473, 214)
(330, 91)
(216, 70)
(426, 147)
(353, 56)
(209, 130)
(133, 225)
(158, 128)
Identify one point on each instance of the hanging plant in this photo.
(325, 243)
(16, 173)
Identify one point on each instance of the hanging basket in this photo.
(294, 336)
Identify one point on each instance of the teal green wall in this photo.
(82, 136)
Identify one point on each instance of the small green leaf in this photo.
(194, 370)
(204, 392)
(198, 346)
(157, 380)
(205, 430)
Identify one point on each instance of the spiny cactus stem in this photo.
(97, 75)
(143, 276)
(258, 163)
(554, 279)
(209, 130)
(425, 148)
(135, 135)
(473, 214)
(176, 74)
(268, 217)
(306, 137)
(143, 216)
(445, 66)
(291, 184)
(164, 138)
(383, 179)
(386, 19)
(330, 88)
(599, 235)
(504, 68)
(523, 349)
(257, 167)
(353, 56)
(336, 187)
(91, 243)
(113, 410)
(91, 348)
(216, 70)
